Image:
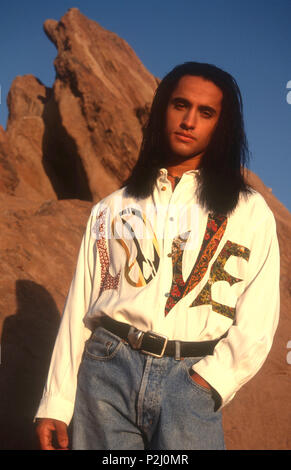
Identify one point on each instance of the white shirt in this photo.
(165, 264)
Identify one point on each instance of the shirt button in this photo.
(171, 219)
(167, 294)
(164, 188)
(169, 255)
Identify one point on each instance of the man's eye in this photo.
(206, 114)
(179, 105)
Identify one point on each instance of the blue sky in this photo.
(251, 39)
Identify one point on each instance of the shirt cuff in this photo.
(55, 408)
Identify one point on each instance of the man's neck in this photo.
(177, 168)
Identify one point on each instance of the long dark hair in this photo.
(221, 178)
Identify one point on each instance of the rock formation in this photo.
(64, 149)
(80, 138)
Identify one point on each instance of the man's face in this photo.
(192, 115)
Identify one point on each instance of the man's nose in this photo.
(189, 119)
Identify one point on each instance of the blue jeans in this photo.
(127, 400)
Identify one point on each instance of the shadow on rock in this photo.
(26, 346)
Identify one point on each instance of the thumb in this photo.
(62, 434)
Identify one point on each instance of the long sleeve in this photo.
(239, 356)
(59, 394)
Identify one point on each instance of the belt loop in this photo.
(177, 351)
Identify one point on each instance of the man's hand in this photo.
(52, 434)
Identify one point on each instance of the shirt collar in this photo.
(164, 173)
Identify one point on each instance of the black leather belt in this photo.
(155, 344)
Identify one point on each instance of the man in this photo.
(175, 298)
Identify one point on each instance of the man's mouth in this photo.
(184, 137)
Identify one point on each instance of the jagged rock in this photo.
(8, 176)
(26, 101)
(80, 138)
(101, 91)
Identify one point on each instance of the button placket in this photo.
(169, 234)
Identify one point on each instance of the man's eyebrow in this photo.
(202, 107)
(180, 99)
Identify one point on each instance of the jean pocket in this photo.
(102, 345)
(195, 385)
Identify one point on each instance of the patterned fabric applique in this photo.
(215, 229)
(217, 273)
(145, 267)
(107, 280)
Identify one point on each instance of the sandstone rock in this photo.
(101, 91)
(25, 132)
(8, 176)
(259, 416)
(80, 138)
(39, 247)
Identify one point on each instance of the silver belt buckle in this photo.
(135, 338)
(153, 334)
